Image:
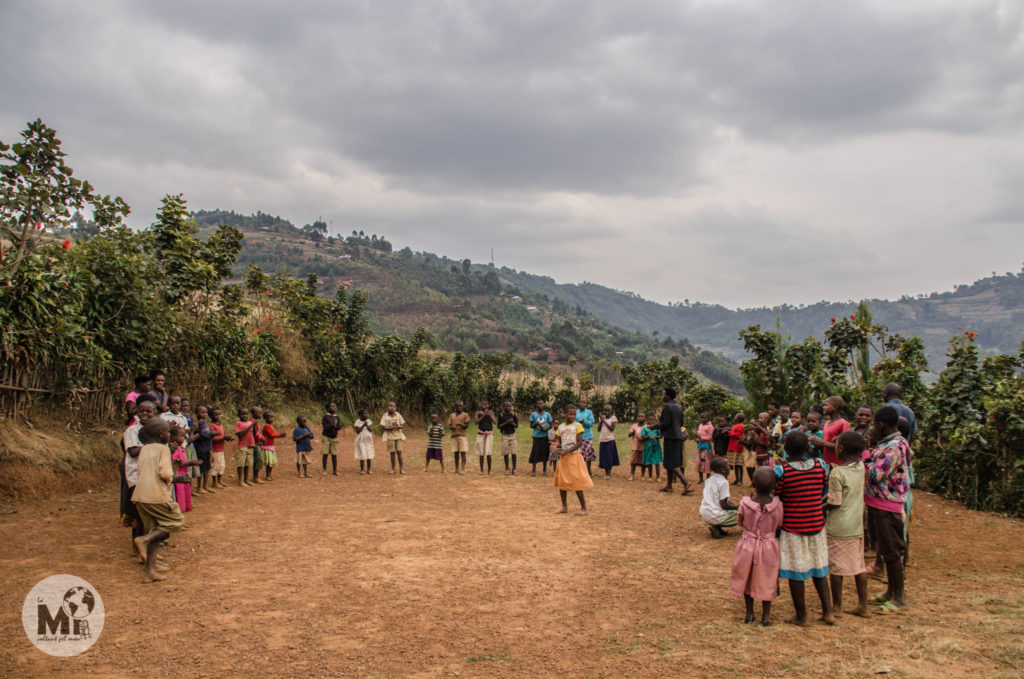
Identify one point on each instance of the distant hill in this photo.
(992, 307)
(467, 307)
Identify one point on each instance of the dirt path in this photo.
(469, 576)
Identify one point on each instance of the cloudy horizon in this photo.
(734, 152)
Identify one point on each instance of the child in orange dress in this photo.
(571, 472)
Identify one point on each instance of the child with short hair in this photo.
(755, 565)
(435, 443)
(803, 548)
(217, 461)
(330, 425)
(458, 423)
(834, 426)
(364, 441)
(244, 457)
(720, 439)
(571, 472)
(203, 444)
(814, 433)
(736, 447)
(259, 457)
(554, 443)
(146, 409)
(269, 448)
(181, 464)
(191, 435)
(540, 423)
(508, 423)
(652, 446)
(844, 527)
(302, 435)
(392, 423)
(705, 437)
(636, 458)
(484, 434)
(608, 451)
(716, 507)
(160, 515)
(760, 440)
(586, 418)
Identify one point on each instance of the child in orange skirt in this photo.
(571, 472)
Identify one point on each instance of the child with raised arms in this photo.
(608, 451)
(636, 457)
(803, 547)
(435, 443)
(302, 436)
(508, 423)
(393, 423)
(844, 527)
(363, 449)
(571, 473)
(755, 565)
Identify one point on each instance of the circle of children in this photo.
(819, 484)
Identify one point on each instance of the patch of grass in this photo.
(490, 657)
(666, 646)
(1011, 655)
(647, 626)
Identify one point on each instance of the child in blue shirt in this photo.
(303, 437)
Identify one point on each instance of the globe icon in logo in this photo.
(78, 602)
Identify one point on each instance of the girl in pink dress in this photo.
(180, 462)
(755, 566)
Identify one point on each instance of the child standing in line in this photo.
(720, 439)
(554, 443)
(435, 443)
(508, 423)
(129, 515)
(191, 435)
(705, 437)
(803, 548)
(181, 465)
(716, 508)
(652, 447)
(458, 423)
(755, 566)
(608, 453)
(844, 526)
(244, 432)
(217, 461)
(571, 472)
(203, 444)
(540, 423)
(484, 434)
(330, 425)
(586, 417)
(636, 458)
(364, 441)
(736, 447)
(160, 515)
(392, 423)
(269, 448)
(257, 448)
(302, 435)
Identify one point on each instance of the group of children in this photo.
(814, 500)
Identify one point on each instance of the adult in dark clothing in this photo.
(891, 396)
(671, 428)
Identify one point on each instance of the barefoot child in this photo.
(720, 439)
(181, 465)
(203, 443)
(246, 444)
(330, 424)
(270, 435)
(458, 423)
(364, 441)
(302, 435)
(608, 451)
(736, 447)
(540, 423)
(586, 417)
(802, 487)
(435, 443)
(217, 461)
(393, 423)
(259, 457)
(144, 411)
(755, 566)
(554, 443)
(160, 515)
(508, 423)
(844, 526)
(484, 434)
(636, 457)
(834, 426)
(652, 447)
(571, 472)
(705, 435)
(814, 433)
(716, 508)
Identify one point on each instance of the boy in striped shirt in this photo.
(435, 445)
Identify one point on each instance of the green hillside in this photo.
(467, 307)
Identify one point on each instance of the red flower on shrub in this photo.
(39, 225)
(853, 317)
(266, 318)
(66, 243)
(277, 332)
(833, 319)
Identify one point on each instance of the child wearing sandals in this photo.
(844, 526)
(803, 548)
(571, 472)
(755, 565)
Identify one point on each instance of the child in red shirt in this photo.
(269, 436)
(735, 453)
(217, 462)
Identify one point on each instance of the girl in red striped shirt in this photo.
(802, 488)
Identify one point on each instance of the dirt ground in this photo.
(426, 575)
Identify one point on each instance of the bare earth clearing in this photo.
(470, 576)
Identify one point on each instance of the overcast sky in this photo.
(740, 152)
